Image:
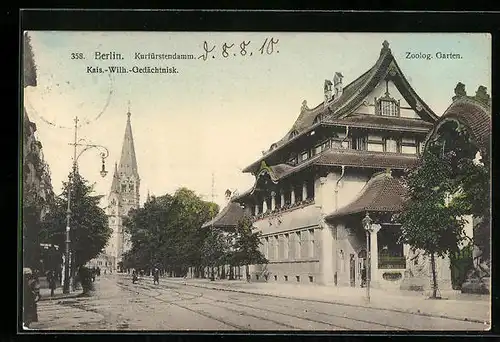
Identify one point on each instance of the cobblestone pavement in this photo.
(120, 305)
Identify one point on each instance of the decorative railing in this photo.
(285, 208)
(391, 262)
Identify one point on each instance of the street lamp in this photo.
(367, 225)
(103, 172)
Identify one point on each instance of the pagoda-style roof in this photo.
(339, 110)
(390, 123)
(472, 112)
(382, 193)
(341, 157)
(227, 218)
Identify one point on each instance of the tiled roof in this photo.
(228, 217)
(383, 122)
(367, 159)
(382, 193)
(352, 158)
(474, 115)
(351, 97)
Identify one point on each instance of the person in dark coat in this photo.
(134, 277)
(51, 278)
(30, 297)
(156, 276)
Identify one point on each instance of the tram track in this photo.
(216, 302)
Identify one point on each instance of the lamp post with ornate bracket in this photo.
(367, 223)
(104, 154)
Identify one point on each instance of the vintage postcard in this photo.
(260, 181)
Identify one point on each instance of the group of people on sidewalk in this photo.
(155, 273)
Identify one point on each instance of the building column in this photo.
(292, 196)
(273, 200)
(256, 209)
(374, 253)
(304, 191)
(282, 198)
(264, 205)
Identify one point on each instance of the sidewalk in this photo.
(457, 306)
(67, 311)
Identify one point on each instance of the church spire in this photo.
(128, 162)
(115, 185)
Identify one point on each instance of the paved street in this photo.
(120, 305)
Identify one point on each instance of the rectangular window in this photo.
(376, 147)
(304, 156)
(311, 243)
(276, 247)
(286, 244)
(298, 245)
(360, 143)
(318, 149)
(391, 145)
(406, 140)
(310, 279)
(266, 247)
(375, 137)
(409, 149)
(388, 108)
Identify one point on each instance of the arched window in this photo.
(273, 146)
(293, 134)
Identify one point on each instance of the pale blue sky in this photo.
(216, 115)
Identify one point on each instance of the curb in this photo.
(465, 319)
(69, 296)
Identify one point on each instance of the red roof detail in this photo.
(474, 115)
(351, 97)
(349, 158)
(382, 193)
(383, 122)
(228, 217)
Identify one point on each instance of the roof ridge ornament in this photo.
(304, 106)
(385, 47)
(459, 91)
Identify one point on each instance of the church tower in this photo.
(123, 196)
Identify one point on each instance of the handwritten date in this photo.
(267, 47)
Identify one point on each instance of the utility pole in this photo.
(68, 258)
(213, 187)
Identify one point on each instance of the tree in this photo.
(428, 222)
(214, 249)
(247, 246)
(89, 224)
(166, 231)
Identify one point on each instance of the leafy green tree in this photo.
(89, 224)
(428, 221)
(166, 232)
(214, 249)
(246, 251)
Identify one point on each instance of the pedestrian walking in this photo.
(30, 297)
(134, 276)
(156, 276)
(51, 278)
